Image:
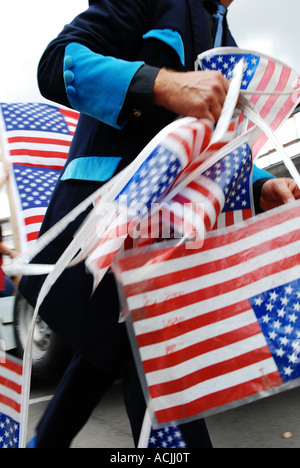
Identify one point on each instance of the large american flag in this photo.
(11, 371)
(36, 138)
(272, 87)
(219, 325)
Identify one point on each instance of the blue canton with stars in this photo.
(233, 175)
(35, 185)
(226, 64)
(33, 117)
(152, 180)
(169, 437)
(9, 432)
(278, 313)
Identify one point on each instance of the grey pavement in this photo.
(257, 425)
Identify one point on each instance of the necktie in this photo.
(219, 16)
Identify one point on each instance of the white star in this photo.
(258, 302)
(288, 371)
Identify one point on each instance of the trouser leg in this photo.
(79, 391)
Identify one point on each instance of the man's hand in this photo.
(194, 94)
(276, 192)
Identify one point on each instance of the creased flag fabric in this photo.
(36, 139)
(148, 185)
(224, 190)
(220, 325)
(10, 401)
(272, 87)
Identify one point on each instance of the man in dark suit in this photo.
(127, 66)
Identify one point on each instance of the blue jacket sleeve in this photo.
(97, 85)
(108, 29)
(259, 174)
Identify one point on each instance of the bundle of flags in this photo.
(209, 329)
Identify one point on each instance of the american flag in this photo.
(272, 87)
(148, 184)
(36, 140)
(168, 437)
(219, 325)
(10, 402)
(224, 190)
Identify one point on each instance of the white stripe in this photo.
(218, 302)
(152, 271)
(38, 161)
(206, 360)
(42, 135)
(30, 228)
(9, 393)
(216, 384)
(28, 213)
(42, 147)
(227, 274)
(10, 375)
(197, 336)
(11, 413)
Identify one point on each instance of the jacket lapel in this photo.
(200, 29)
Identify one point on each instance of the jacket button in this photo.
(137, 113)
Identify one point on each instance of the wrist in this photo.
(164, 87)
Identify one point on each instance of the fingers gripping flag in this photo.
(272, 87)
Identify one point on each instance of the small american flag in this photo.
(10, 402)
(222, 324)
(147, 186)
(225, 190)
(271, 86)
(36, 140)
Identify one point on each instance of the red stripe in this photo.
(211, 372)
(69, 114)
(34, 219)
(159, 256)
(11, 385)
(38, 153)
(32, 236)
(247, 214)
(208, 194)
(283, 82)
(41, 141)
(216, 290)
(229, 218)
(177, 329)
(12, 366)
(10, 403)
(183, 143)
(223, 397)
(43, 166)
(208, 268)
(178, 357)
(269, 72)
